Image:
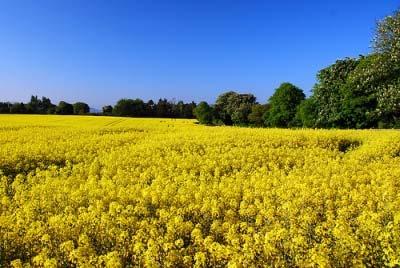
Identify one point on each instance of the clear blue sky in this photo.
(101, 51)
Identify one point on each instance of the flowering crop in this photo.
(119, 192)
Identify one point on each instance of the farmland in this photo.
(106, 191)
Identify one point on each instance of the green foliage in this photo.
(240, 114)
(40, 106)
(107, 110)
(33, 105)
(387, 46)
(183, 110)
(163, 108)
(306, 114)
(233, 108)
(240, 107)
(129, 107)
(387, 37)
(81, 108)
(371, 92)
(204, 113)
(346, 92)
(369, 88)
(124, 107)
(18, 108)
(64, 108)
(150, 108)
(188, 110)
(222, 106)
(388, 104)
(371, 72)
(256, 117)
(284, 104)
(5, 107)
(327, 93)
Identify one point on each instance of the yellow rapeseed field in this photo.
(123, 192)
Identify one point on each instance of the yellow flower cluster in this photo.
(119, 192)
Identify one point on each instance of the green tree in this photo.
(107, 110)
(188, 110)
(81, 108)
(358, 94)
(46, 107)
(284, 104)
(306, 114)
(328, 92)
(18, 108)
(256, 117)
(150, 108)
(177, 109)
(163, 108)
(33, 106)
(387, 37)
(387, 70)
(40, 106)
(240, 107)
(129, 107)
(64, 108)
(222, 107)
(234, 108)
(5, 107)
(204, 113)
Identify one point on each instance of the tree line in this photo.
(43, 105)
(163, 108)
(362, 92)
(124, 107)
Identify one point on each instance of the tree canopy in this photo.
(64, 108)
(81, 108)
(284, 104)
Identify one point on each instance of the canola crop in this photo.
(123, 192)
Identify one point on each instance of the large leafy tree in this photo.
(222, 107)
(359, 93)
(40, 106)
(284, 104)
(188, 110)
(388, 104)
(107, 110)
(363, 92)
(129, 107)
(234, 108)
(164, 108)
(204, 113)
(372, 92)
(33, 106)
(256, 117)
(306, 114)
(328, 93)
(64, 108)
(387, 69)
(240, 108)
(150, 108)
(47, 106)
(81, 108)
(387, 37)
